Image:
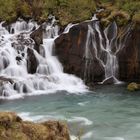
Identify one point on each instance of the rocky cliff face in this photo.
(95, 54)
(71, 50)
(13, 128)
(129, 58)
(89, 50)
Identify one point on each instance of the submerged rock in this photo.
(133, 86)
(12, 127)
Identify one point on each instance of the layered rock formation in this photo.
(12, 127)
(95, 54)
(71, 49)
(129, 58)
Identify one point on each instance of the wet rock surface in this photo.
(4, 79)
(4, 82)
(129, 58)
(22, 41)
(70, 49)
(32, 62)
(124, 42)
(37, 36)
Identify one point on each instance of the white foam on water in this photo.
(26, 116)
(80, 120)
(88, 135)
(72, 137)
(52, 117)
(13, 96)
(83, 103)
(114, 138)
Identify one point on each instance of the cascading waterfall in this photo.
(49, 76)
(105, 48)
(23, 26)
(102, 46)
(17, 48)
(111, 66)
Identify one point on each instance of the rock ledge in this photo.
(12, 127)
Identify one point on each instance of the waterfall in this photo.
(103, 46)
(111, 66)
(16, 47)
(22, 26)
(26, 71)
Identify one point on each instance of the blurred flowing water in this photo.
(108, 113)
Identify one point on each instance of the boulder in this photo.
(4, 82)
(32, 62)
(12, 127)
(37, 36)
(133, 87)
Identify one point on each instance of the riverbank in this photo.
(14, 128)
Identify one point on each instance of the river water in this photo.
(106, 113)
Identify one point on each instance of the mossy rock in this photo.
(13, 128)
(133, 87)
(135, 19)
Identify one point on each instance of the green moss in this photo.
(136, 18)
(74, 11)
(128, 10)
(71, 10)
(133, 87)
(25, 10)
(66, 10)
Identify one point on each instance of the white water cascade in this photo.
(105, 45)
(49, 77)
(111, 65)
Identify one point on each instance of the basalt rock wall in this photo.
(129, 58)
(70, 48)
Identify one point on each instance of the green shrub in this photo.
(66, 10)
(8, 9)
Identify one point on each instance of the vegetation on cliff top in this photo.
(122, 11)
(70, 10)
